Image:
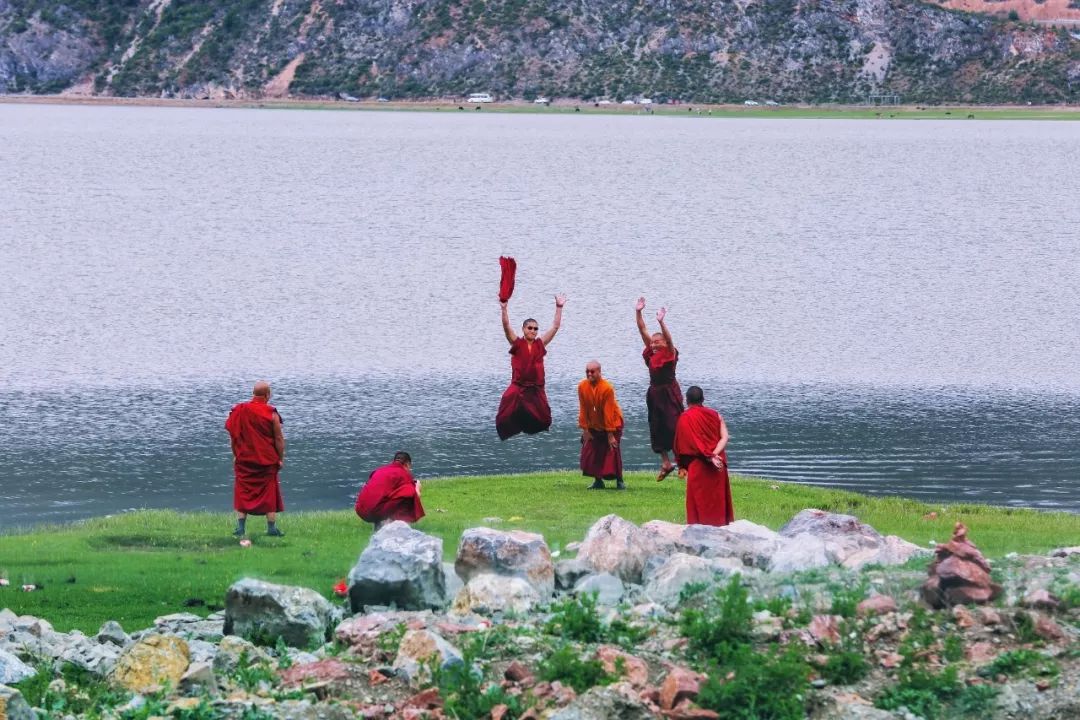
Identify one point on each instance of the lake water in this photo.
(884, 306)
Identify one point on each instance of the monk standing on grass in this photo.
(701, 437)
(601, 422)
(664, 397)
(524, 406)
(391, 493)
(258, 447)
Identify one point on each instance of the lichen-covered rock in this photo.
(230, 651)
(263, 612)
(512, 553)
(152, 662)
(13, 670)
(420, 648)
(13, 706)
(490, 594)
(617, 546)
(748, 542)
(665, 581)
(847, 541)
(112, 632)
(609, 590)
(401, 567)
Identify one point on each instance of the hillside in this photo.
(690, 50)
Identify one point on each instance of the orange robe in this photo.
(599, 413)
(708, 489)
(389, 494)
(256, 490)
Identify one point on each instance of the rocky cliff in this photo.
(691, 50)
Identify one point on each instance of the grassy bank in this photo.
(137, 566)
(562, 107)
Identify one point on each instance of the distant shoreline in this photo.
(562, 107)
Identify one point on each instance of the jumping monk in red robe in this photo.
(601, 422)
(701, 437)
(391, 493)
(524, 406)
(664, 397)
(258, 447)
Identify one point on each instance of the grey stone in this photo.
(665, 580)
(420, 648)
(568, 572)
(400, 566)
(199, 676)
(453, 582)
(262, 612)
(112, 632)
(513, 553)
(799, 553)
(849, 542)
(617, 546)
(202, 651)
(615, 701)
(491, 594)
(1065, 551)
(231, 649)
(751, 544)
(13, 670)
(191, 627)
(13, 706)
(608, 588)
(97, 658)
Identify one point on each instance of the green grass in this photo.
(137, 566)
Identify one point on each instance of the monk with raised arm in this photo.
(524, 406)
(391, 493)
(701, 439)
(601, 422)
(258, 447)
(664, 396)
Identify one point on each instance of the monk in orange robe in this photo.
(701, 439)
(664, 397)
(258, 447)
(601, 422)
(391, 493)
(524, 406)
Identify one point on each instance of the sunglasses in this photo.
(532, 327)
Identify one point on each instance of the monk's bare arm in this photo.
(279, 440)
(641, 327)
(724, 437)
(660, 314)
(510, 335)
(547, 337)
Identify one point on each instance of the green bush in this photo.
(725, 624)
(566, 666)
(576, 619)
(754, 686)
(845, 667)
(923, 692)
(1020, 662)
(846, 599)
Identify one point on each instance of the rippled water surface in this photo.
(883, 306)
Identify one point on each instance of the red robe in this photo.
(524, 406)
(663, 398)
(708, 490)
(389, 494)
(256, 490)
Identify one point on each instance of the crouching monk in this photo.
(391, 493)
(258, 447)
(524, 406)
(701, 437)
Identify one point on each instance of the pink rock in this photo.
(989, 616)
(1047, 629)
(876, 605)
(517, 672)
(963, 616)
(1042, 599)
(825, 629)
(686, 710)
(980, 652)
(890, 659)
(634, 669)
(499, 712)
(959, 574)
(680, 684)
(323, 670)
(513, 553)
(376, 678)
(424, 700)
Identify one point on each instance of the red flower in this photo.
(341, 589)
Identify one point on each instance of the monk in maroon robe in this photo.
(664, 397)
(524, 406)
(391, 493)
(258, 447)
(701, 439)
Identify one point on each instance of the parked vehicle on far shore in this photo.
(480, 98)
(645, 101)
(772, 103)
(628, 102)
(751, 102)
(541, 101)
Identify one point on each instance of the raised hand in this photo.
(560, 300)
(661, 313)
(640, 304)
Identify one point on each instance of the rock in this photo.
(609, 589)
(420, 647)
(489, 594)
(798, 553)
(327, 670)
(686, 710)
(665, 582)
(849, 542)
(192, 627)
(619, 547)
(1042, 599)
(679, 684)
(1047, 629)
(825, 629)
(568, 572)
(151, 663)
(401, 567)
(959, 574)
(512, 553)
(112, 632)
(452, 582)
(605, 703)
(13, 706)
(767, 627)
(202, 651)
(97, 658)
(876, 605)
(198, 677)
(518, 673)
(13, 670)
(634, 669)
(231, 649)
(263, 612)
(859, 711)
(752, 544)
(1065, 551)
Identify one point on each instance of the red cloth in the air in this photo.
(524, 406)
(663, 398)
(389, 494)
(599, 459)
(256, 490)
(708, 489)
(506, 283)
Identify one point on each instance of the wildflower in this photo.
(29, 588)
(245, 543)
(4, 582)
(341, 589)
(516, 518)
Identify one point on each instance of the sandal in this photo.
(664, 473)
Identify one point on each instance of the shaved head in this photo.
(592, 371)
(262, 389)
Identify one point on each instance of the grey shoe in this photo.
(620, 485)
(597, 485)
(274, 532)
